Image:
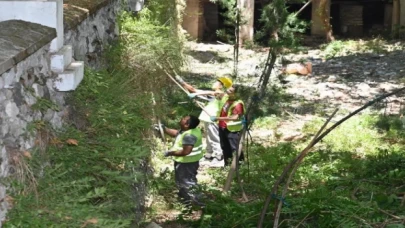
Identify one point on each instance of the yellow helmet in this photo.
(227, 82)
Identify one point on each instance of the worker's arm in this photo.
(171, 132)
(233, 117)
(196, 92)
(189, 87)
(208, 92)
(237, 113)
(185, 85)
(184, 152)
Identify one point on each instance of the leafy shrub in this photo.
(339, 48)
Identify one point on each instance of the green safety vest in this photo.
(196, 154)
(213, 108)
(236, 125)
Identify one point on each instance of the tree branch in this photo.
(319, 137)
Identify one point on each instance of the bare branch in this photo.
(299, 158)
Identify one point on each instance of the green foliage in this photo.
(138, 51)
(226, 212)
(43, 104)
(93, 175)
(231, 15)
(160, 12)
(147, 46)
(268, 122)
(339, 48)
(356, 135)
(88, 176)
(329, 190)
(250, 45)
(349, 179)
(398, 32)
(334, 48)
(277, 22)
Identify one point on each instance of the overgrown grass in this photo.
(268, 122)
(359, 135)
(351, 179)
(90, 176)
(348, 47)
(93, 172)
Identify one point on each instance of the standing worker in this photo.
(230, 123)
(186, 152)
(214, 154)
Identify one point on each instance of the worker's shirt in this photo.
(238, 109)
(188, 139)
(212, 108)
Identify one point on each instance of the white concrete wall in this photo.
(45, 12)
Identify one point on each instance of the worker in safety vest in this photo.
(186, 153)
(230, 123)
(217, 98)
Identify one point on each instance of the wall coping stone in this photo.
(19, 39)
(76, 11)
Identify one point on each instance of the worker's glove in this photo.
(156, 127)
(166, 153)
(213, 118)
(179, 79)
(192, 95)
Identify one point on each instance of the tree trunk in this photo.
(325, 18)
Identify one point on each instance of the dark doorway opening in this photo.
(335, 19)
(211, 21)
(358, 18)
(373, 18)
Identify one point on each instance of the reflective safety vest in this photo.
(236, 125)
(196, 154)
(213, 108)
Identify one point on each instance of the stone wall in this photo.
(88, 31)
(22, 85)
(28, 93)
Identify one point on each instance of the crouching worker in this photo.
(186, 153)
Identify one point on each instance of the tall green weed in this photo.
(93, 172)
(90, 176)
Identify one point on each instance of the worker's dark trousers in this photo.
(229, 144)
(186, 181)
